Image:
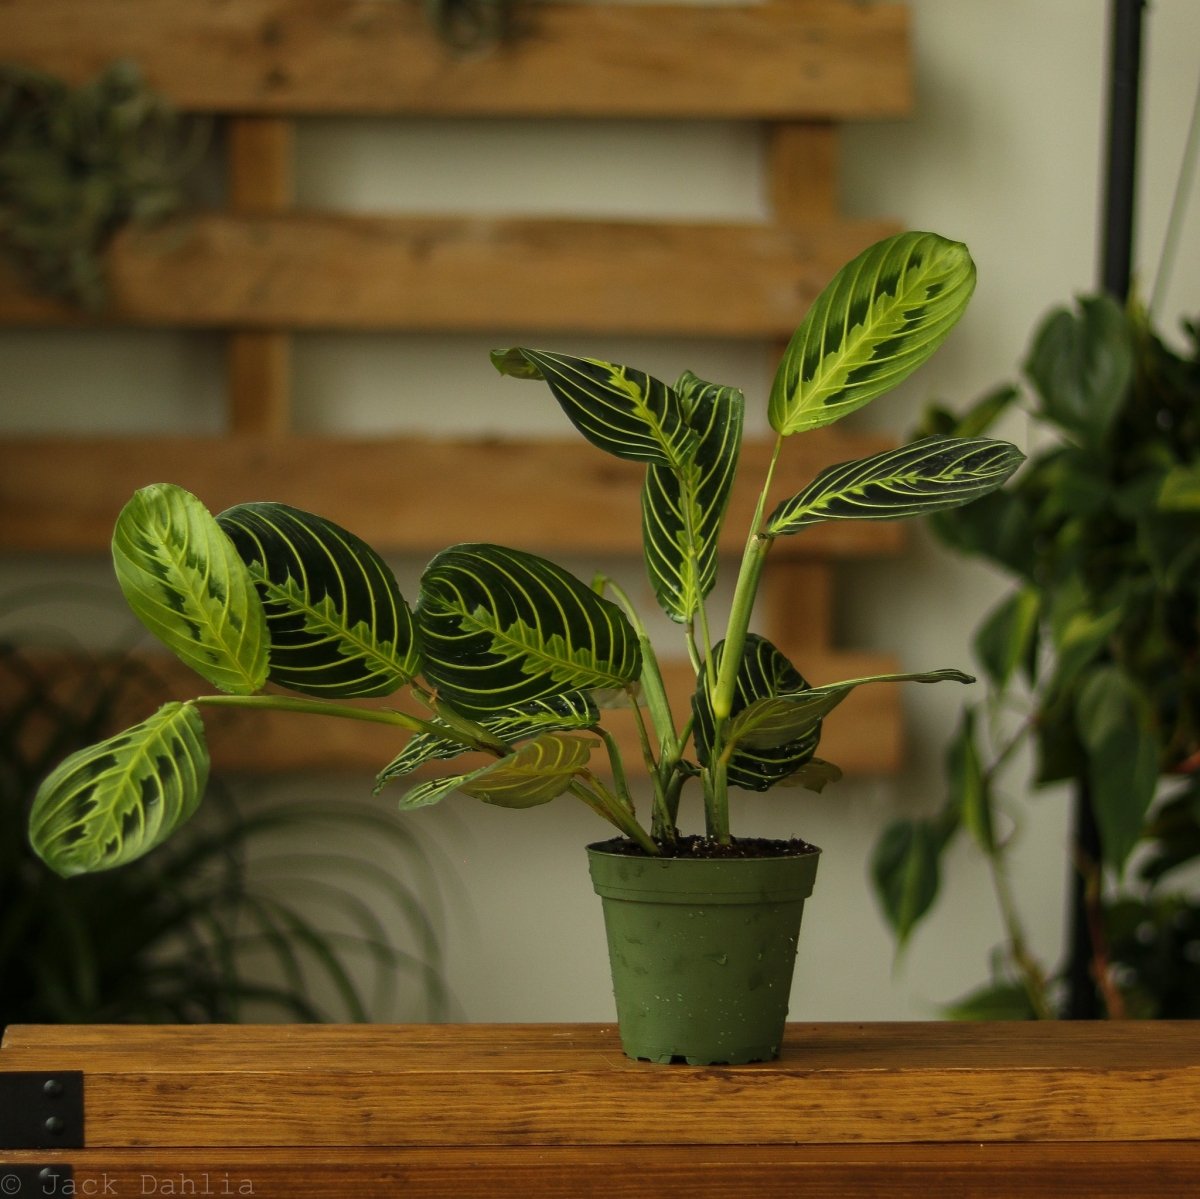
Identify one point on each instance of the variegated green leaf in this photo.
(780, 718)
(113, 802)
(682, 507)
(335, 616)
(184, 580)
(881, 317)
(926, 476)
(541, 770)
(556, 713)
(500, 627)
(763, 673)
(537, 772)
(622, 410)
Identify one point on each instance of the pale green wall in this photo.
(1004, 153)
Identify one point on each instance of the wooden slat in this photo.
(312, 271)
(544, 1086)
(862, 736)
(260, 153)
(410, 495)
(835, 58)
(1123, 1170)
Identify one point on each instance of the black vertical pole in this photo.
(1116, 259)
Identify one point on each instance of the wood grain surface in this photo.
(797, 58)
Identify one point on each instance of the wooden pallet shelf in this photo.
(261, 270)
(959, 1111)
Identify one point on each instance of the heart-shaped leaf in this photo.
(500, 628)
(882, 316)
(337, 622)
(112, 802)
(184, 580)
(617, 408)
(683, 507)
(929, 475)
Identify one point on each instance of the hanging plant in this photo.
(471, 24)
(77, 164)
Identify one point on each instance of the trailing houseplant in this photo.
(1092, 664)
(511, 657)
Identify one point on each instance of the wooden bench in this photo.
(524, 1111)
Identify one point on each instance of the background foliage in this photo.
(279, 910)
(1091, 663)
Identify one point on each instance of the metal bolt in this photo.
(55, 1125)
(52, 1087)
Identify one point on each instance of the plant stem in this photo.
(320, 707)
(754, 557)
(604, 803)
(1032, 978)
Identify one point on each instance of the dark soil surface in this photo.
(700, 847)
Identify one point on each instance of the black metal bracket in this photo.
(37, 1180)
(41, 1109)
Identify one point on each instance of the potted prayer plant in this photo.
(513, 658)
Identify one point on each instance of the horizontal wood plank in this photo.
(308, 270)
(1088, 1170)
(834, 58)
(563, 1086)
(403, 495)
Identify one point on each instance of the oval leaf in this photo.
(906, 871)
(929, 475)
(112, 802)
(775, 719)
(538, 772)
(337, 622)
(1081, 364)
(501, 628)
(541, 770)
(184, 580)
(880, 318)
(617, 408)
(557, 713)
(683, 507)
(1115, 722)
(763, 674)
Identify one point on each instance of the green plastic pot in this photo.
(702, 951)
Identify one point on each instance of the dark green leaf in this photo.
(906, 872)
(111, 803)
(501, 628)
(995, 1001)
(1005, 639)
(683, 506)
(337, 622)
(184, 580)
(969, 785)
(1081, 364)
(880, 318)
(617, 408)
(1115, 724)
(923, 477)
